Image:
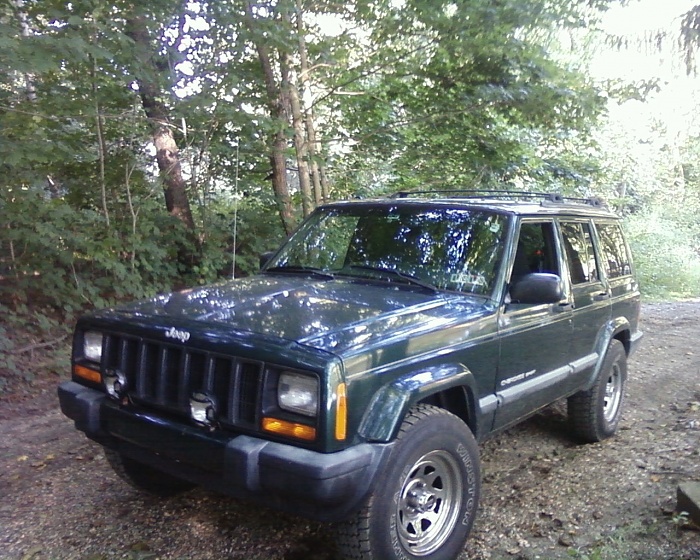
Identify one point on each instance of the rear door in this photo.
(591, 297)
(618, 271)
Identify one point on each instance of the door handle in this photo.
(560, 308)
(601, 296)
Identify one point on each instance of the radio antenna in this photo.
(235, 218)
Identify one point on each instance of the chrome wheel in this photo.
(613, 393)
(427, 493)
(429, 503)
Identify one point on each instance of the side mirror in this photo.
(537, 287)
(265, 257)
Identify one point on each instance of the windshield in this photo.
(445, 248)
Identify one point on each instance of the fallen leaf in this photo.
(31, 553)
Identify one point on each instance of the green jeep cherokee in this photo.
(350, 380)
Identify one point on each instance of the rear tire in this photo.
(595, 413)
(427, 492)
(145, 478)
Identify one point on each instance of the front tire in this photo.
(595, 414)
(145, 478)
(426, 495)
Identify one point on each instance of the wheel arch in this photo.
(458, 400)
(617, 329)
(451, 387)
(625, 336)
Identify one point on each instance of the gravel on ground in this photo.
(544, 495)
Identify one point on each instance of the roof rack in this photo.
(556, 198)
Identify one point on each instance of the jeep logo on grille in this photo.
(182, 336)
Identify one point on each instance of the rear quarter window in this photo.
(613, 249)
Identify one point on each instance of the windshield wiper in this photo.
(407, 278)
(309, 270)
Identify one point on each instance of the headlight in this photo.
(92, 346)
(298, 393)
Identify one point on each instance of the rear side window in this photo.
(616, 259)
(578, 244)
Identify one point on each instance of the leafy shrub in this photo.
(68, 257)
(667, 255)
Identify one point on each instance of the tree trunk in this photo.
(277, 108)
(30, 87)
(101, 144)
(316, 171)
(167, 152)
(300, 145)
(324, 183)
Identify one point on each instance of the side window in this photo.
(580, 256)
(616, 260)
(536, 250)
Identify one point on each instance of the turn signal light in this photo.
(290, 429)
(341, 414)
(87, 373)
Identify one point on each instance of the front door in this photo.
(535, 338)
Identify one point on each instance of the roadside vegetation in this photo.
(147, 146)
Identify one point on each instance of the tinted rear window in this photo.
(616, 259)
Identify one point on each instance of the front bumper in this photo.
(322, 486)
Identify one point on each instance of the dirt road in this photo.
(544, 496)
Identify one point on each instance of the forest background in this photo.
(149, 145)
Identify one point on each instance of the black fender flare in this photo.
(392, 402)
(611, 331)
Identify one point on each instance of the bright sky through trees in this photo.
(639, 24)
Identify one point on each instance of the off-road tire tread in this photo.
(583, 408)
(352, 535)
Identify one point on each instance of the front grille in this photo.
(164, 376)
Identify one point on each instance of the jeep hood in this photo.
(331, 315)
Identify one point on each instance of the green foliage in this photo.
(415, 94)
(466, 94)
(638, 539)
(67, 257)
(667, 254)
(255, 234)
(24, 348)
(651, 180)
(8, 364)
